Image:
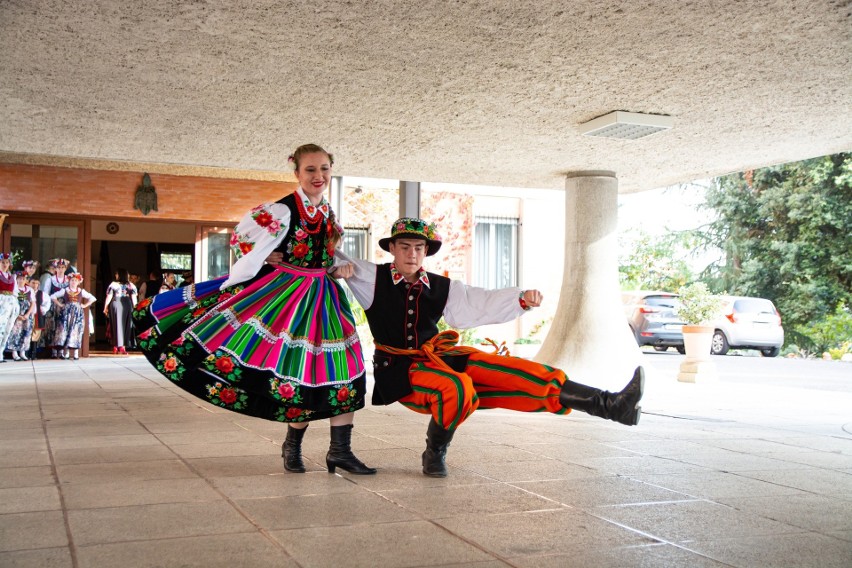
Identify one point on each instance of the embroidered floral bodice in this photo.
(301, 231)
(119, 290)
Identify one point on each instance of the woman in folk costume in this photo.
(19, 338)
(72, 303)
(9, 308)
(120, 299)
(275, 341)
(56, 281)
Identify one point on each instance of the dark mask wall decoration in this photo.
(146, 196)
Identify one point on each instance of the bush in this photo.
(833, 333)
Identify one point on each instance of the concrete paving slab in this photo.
(811, 512)
(219, 551)
(641, 556)
(400, 544)
(125, 493)
(483, 498)
(39, 558)
(715, 485)
(543, 532)
(157, 521)
(24, 458)
(684, 521)
(601, 491)
(125, 471)
(276, 485)
(26, 499)
(25, 531)
(779, 551)
(12, 477)
(339, 509)
(112, 454)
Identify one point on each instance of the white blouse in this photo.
(467, 306)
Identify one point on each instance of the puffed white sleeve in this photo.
(257, 234)
(469, 306)
(363, 282)
(45, 304)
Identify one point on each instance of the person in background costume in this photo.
(72, 303)
(9, 308)
(19, 337)
(120, 299)
(427, 372)
(150, 287)
(169, 282)
(56, 281)
(42, 303)
(272, 341)
(29, 268)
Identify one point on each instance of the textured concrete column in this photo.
(589, 338)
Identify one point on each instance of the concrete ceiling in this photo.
(481, 92)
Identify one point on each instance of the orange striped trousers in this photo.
(489, 381)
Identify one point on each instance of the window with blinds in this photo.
(495, 252)
(355, 241)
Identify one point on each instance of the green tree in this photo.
(655, 262)
(787, 234)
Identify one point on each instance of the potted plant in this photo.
(697, 308)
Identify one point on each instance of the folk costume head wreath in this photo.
(6, 256)
(413, 228)
(57, 262)
(78, 277)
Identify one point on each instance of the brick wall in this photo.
(110, 194)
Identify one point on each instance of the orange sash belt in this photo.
(445, 343)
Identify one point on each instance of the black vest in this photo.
(318, 257)
(406, 315)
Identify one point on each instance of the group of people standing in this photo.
(276, 338)
(47, 311)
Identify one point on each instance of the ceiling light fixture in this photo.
(626, 125)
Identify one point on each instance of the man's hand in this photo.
(533, 298)
(275, 257)
(344, 271)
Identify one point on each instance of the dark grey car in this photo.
(653, 319)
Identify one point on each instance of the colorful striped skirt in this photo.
(281, 346)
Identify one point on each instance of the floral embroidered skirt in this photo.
(22, 330)
(9, 311)
(70, 323)
(281, 346)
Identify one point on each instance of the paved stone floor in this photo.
(105, 463)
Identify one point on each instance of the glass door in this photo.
(213, 251)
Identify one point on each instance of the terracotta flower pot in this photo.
(697, 340)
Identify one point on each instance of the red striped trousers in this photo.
(489, 381)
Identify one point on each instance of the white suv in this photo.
(748, 323)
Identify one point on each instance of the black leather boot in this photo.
(340, 453)
(291, 450)
(437, 441)
(620, 406)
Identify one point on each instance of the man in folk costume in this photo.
(427, 372)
